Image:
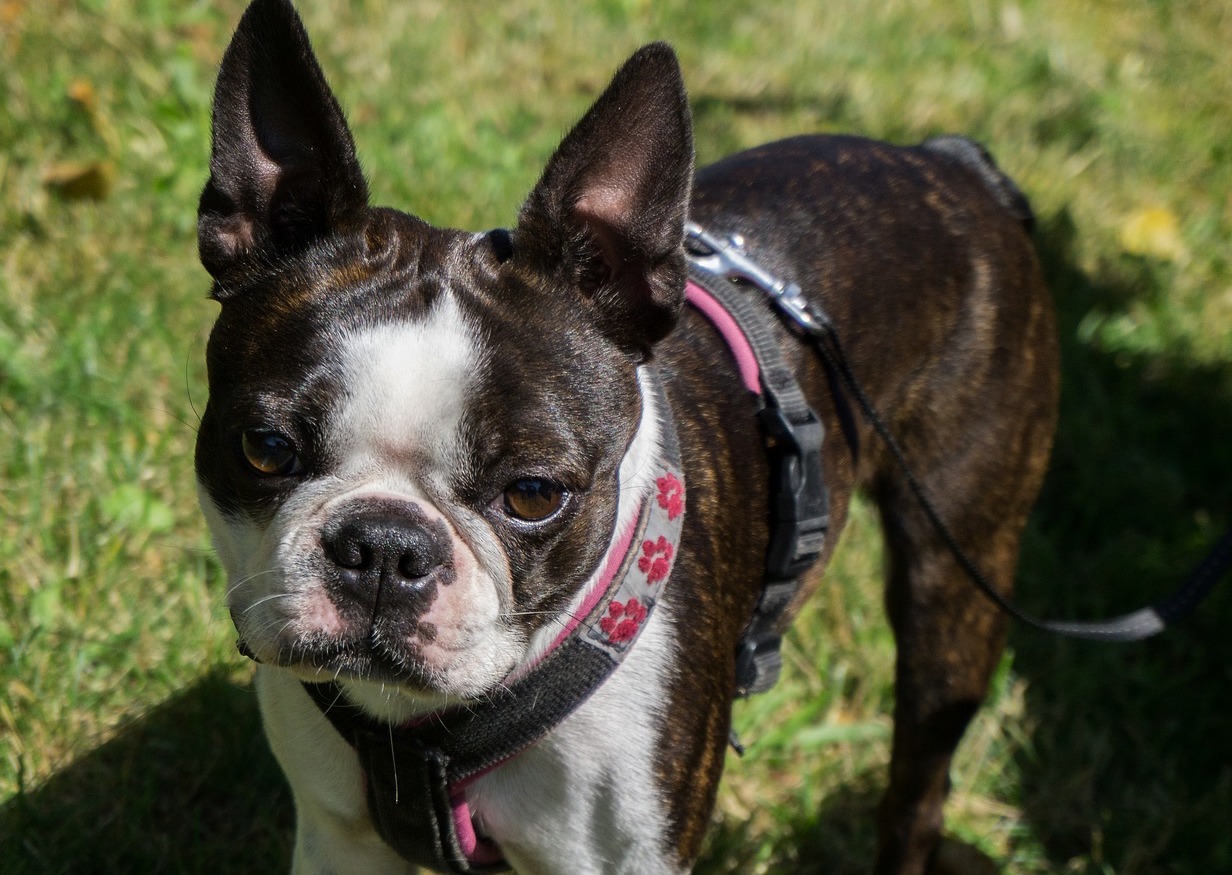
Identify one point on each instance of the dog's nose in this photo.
(394, 553)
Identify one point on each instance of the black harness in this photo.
(793, 435)
(726, 256)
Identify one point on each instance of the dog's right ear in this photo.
(609, 210)
(283, 171)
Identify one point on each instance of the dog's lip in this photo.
(357, 659)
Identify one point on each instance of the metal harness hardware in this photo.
(799, 501)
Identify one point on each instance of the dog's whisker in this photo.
(269, 598)
(247, 579)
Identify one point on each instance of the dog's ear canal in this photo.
(610, 207)
(283, 170)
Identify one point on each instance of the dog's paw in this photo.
(957, 858)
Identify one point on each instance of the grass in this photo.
(128, 735)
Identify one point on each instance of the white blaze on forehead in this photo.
(405, 385)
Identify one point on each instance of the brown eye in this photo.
(270, 453)
(534, 499)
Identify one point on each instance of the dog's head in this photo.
(418, 441)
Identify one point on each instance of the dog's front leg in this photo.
(333, 832)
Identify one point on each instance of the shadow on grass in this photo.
(190, 787)
(841, 840)
(1130, 758)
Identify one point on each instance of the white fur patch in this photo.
(334, 833)
(406, 385)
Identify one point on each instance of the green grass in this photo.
(128, 734)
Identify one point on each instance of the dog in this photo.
(422, 445)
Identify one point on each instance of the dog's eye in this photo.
(270, 453)
(534, 499)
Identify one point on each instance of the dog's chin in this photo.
(356, 662)
(397, 703)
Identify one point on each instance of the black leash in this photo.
(727, 258)
(1134, 626)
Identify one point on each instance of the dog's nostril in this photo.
(414, 564)
(348, 549)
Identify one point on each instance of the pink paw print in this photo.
(622, 621)
(671, 495)
(656, 560)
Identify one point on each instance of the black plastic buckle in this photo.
(800, 514)
(758, 664)
(758, 657)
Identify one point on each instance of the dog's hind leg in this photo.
(949, 639)
(949, 636)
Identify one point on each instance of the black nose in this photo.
(388, 552)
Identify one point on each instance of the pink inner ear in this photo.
(600, 212)
(605, 204)
(234, 235)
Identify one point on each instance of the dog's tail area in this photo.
(974, 156)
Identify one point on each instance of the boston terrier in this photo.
(465, 483)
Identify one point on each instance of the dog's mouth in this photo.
(320, 658)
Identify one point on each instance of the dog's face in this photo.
(417, 440)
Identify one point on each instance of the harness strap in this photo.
(408, 792)
(416, 775)
(799, 509)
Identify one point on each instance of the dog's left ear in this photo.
(283, 171)
(610, 207)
